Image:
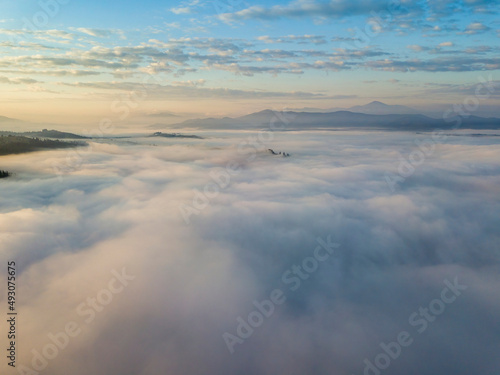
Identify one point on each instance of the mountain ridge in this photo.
(338, 120)
(9, 119)
(374, 107)
(379, 108)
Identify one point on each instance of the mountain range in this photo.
(379, 108)
(4, 119)
(51, 134)
(291, 120)
(373, 108)
(375, 115)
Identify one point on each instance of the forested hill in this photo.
(14, 144)
(55, 134)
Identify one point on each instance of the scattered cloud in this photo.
(100, 33)
(465, 64)
(189, 89)
(17, 81)
(185, 7)
(476, 28)
(197, 83)
(300, 39)
(417, 48)
(307, 9)
(22, 45)
(55, 73)
(181, 10)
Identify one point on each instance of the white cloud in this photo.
(476, 28)
(121, 209)
(101, 33)
(181, 10)
(17, 80)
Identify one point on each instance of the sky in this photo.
(149, 255)
(69, 61)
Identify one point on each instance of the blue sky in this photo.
(61, 58)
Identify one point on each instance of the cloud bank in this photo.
(189, 283)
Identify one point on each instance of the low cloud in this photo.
(119, 209)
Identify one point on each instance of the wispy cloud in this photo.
(300, 39)
(463, 64)
(302, 8)
(190, 89)
(17, 81)
(185, 7)
(476, 28)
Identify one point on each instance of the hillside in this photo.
(13, 144)
(175, 135)
(8, 119)
(52, 134)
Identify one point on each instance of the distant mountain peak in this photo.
(5, 119)
(378, 108)
(263, 112)
(339, 120)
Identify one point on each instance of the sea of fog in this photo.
(360, 253)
